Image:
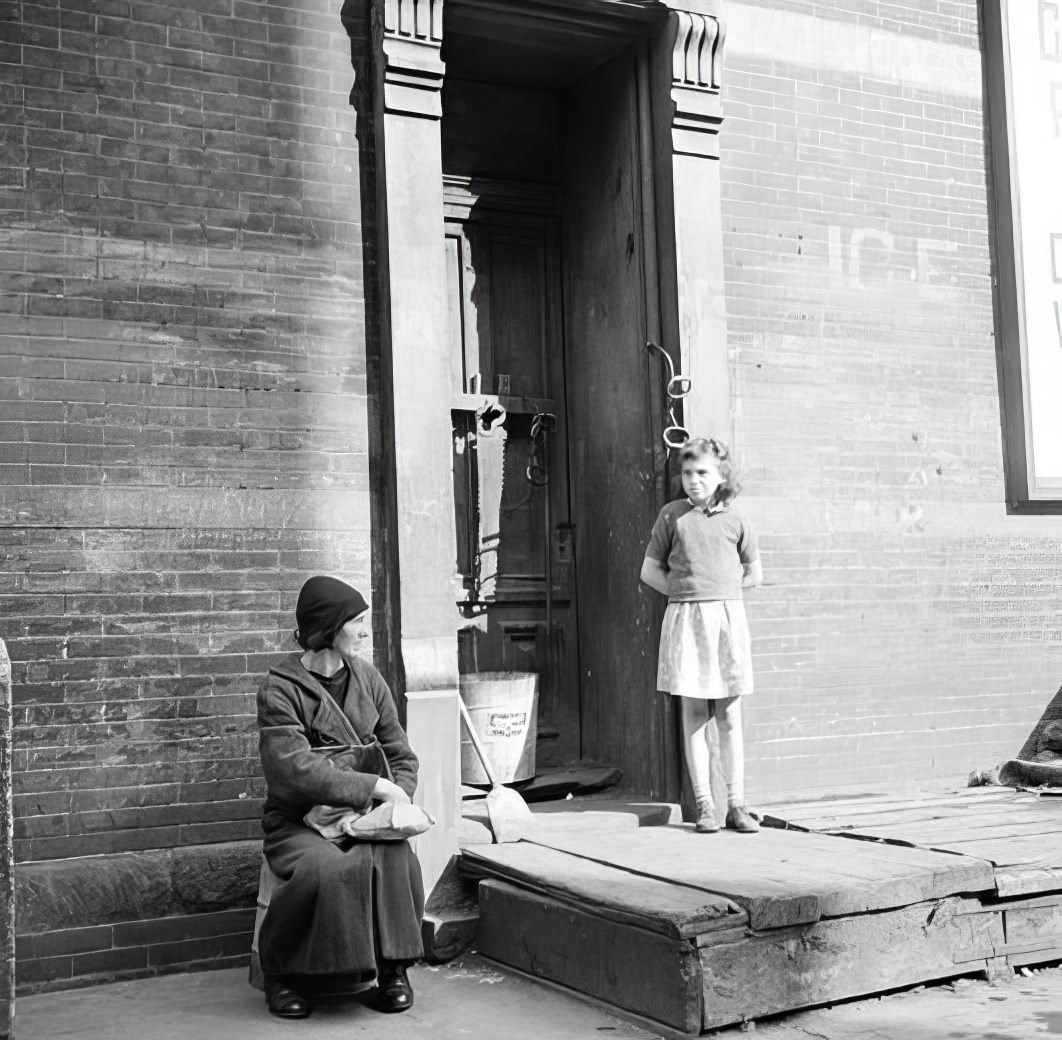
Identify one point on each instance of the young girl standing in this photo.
(702, 553)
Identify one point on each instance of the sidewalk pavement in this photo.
(470, 998)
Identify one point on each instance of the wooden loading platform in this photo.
(831, 900)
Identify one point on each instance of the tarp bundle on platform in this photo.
(1039, 762)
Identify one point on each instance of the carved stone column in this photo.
(408, 69)
(687, 82)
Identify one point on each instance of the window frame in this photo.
(1025, 494)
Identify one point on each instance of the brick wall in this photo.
(186, 417)
(7, 891)
(909, 630)
(183, 431)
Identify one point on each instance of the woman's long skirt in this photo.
(338, 908)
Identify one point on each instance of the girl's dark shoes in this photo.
(283, 1001)
(394, 992)
(739, 819)
(706, 821)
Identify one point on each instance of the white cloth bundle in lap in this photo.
(389, 821)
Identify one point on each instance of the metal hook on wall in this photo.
(542, 424)
(676, 388)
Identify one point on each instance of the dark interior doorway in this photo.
(550, 248)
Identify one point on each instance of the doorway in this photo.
(551, 289)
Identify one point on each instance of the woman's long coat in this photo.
(336, 908)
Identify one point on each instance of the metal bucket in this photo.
(504, 710)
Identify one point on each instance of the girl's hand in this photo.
(388, 791)
(654, 575)
(753, 575)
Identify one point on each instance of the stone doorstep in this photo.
(577, 812)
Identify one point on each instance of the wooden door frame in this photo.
(683, 83)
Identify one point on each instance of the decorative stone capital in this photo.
(410, 41)
(696, 80)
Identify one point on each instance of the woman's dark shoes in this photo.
(393, 989)
(283, 1001)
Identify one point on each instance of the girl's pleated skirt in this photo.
(705, 650)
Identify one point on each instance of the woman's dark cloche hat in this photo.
(324, 606)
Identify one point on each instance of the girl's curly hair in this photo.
(701, 447)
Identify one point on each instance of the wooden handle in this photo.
(474, 737)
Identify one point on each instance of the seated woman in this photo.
(339, 907)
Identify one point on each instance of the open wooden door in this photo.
(618, 462)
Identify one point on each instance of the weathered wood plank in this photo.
(660, 906)
(1039, 926)
(641, 971)
(954, 831)
(880, 803)
(1022, 864)
(819, 818)
(975, 815)
(767, 892)
(831, 960)
(952, 820)
(1017, 833)
(1028, 880)
(783, 877)
(1030, 850)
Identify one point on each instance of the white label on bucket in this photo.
(506, 723)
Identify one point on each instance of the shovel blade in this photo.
(510, 818)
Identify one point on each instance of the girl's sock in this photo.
(695, 720)
(732, 751)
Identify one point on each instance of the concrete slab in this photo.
(465, 998)
(471, 999)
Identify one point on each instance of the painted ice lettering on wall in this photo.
(861, 256)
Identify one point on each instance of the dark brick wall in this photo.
(909, 630)
(183, 415)
(7, 893)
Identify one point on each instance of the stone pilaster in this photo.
(407, 40)
(687, 71)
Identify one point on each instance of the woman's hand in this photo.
(388, 791)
